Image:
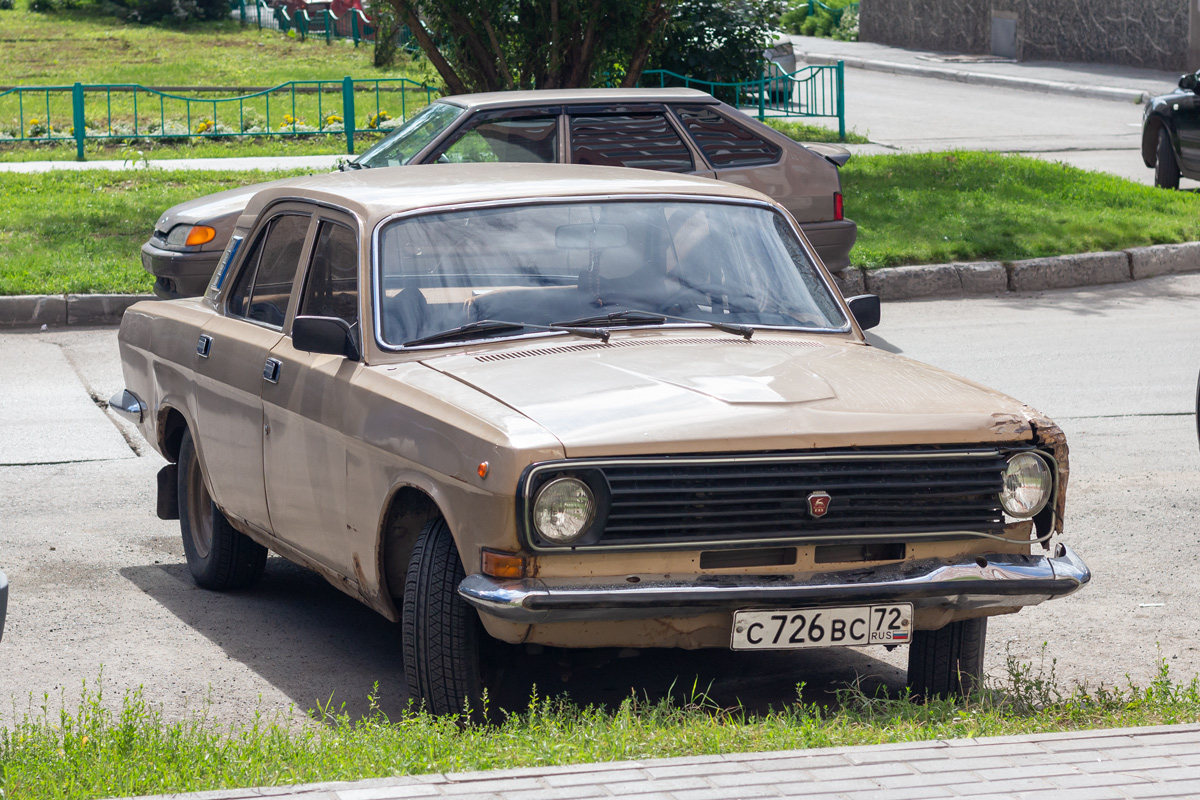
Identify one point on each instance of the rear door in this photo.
(232, 357)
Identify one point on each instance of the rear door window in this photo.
(723, 142)
(641, 140)
(265, 282)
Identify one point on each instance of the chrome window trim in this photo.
(377, 279)
(524, 499)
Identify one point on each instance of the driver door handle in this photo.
(271, 370)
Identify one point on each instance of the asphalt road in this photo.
(99, 586)
(911, 114)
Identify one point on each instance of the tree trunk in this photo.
(454, 84)
(656, 17)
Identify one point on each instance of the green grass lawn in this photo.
(966, 206)
(85, 45)
(111, 750)
(81, 231)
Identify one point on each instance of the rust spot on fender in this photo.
(1048, 436)
(1009, 424)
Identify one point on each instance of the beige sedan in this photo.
(584, 407)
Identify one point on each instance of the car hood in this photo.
(672, 394)
(215, 207)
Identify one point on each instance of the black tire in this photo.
(1166, 168)
(219, 557)
(947, 662)
(441, 631)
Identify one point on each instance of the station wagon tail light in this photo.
(1028, 483)
(838, 206)
(563, 509)
(190, 235)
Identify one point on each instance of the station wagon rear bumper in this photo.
(972, 583)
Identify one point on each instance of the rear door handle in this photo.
(271, 370)
(203, 345)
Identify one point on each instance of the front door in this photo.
(307, 407)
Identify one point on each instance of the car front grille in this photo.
(872, 494)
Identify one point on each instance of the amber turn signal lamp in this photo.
(483, 469)
(200, 234)
(503, 565)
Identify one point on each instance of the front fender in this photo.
(1155, 121)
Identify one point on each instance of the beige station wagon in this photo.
(585, 407)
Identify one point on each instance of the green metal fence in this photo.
(352, 24)
(92, 112)
(816, 91)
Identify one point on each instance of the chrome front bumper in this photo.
(980, 582)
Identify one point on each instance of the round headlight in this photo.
(563, 509)
(1028, 483)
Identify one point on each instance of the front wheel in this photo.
(441, 632)
(947, 662)
(219, 557)
(1166, 168)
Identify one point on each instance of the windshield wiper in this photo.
(634, 315)
(629, 317)
(499, 326)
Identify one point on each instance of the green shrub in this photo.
(6, 5)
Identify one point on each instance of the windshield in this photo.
(399, 148)
(562, 263)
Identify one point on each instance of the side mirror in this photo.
(865, 308)
(329, 335)
(1187, 82)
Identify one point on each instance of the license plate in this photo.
(794, 628)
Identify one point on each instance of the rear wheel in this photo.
(1166, 168)
(947, 662)
(441, 631)
(218, 556)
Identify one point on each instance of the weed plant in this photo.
(808, 132)
(133, 749)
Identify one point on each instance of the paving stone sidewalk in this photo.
(1160, 762)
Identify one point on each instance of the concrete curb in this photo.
(56, 310)
(982, 78)
(1030, 275)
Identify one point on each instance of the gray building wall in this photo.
(1138, 33)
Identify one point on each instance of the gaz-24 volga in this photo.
(585, 407)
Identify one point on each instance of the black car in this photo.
(1171, 134)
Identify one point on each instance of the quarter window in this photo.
(724, 143)
(331, 289)
(643, 141)
(265, 283)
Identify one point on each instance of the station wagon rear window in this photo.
(546, 264)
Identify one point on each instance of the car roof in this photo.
(380, 192)
(530, 97)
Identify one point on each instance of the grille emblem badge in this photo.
(818, 504)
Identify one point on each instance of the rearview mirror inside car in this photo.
(590, 236)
